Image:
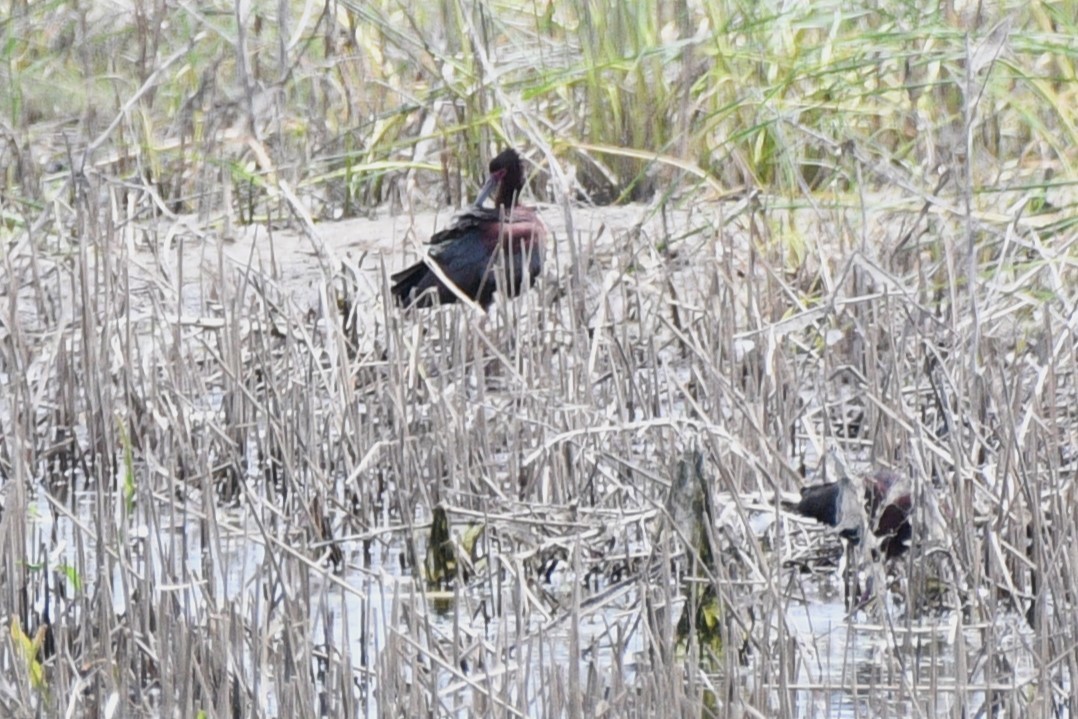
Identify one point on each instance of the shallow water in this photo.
(845, 668)
(508, 629)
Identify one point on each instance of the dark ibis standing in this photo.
(468, 252)
(885, 503)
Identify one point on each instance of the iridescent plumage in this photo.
(887, 509)
(470, 250)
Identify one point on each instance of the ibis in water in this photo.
(884, 503)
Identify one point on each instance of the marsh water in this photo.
(845, 667)
(553, 434)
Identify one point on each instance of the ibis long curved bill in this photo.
(468, 252)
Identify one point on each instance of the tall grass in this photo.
(221, 446)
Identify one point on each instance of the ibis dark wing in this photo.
(463, 257)
(471, 221)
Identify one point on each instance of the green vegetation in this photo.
(783, 98)
(236, 480)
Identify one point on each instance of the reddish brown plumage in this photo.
(468, 252)
(887, 505)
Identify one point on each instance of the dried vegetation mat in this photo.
(236, 480)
